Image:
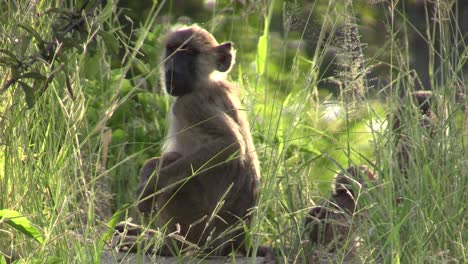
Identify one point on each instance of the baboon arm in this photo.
(215, 153)
(227, 144)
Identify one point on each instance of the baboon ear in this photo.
(224, 56)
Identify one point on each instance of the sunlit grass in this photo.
(69, 163)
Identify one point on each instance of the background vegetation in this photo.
(82, 109)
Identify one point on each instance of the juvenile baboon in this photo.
(328, 225)
(422, 100)
(206, 182)
(427, 122)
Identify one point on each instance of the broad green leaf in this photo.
(33, 75)
(113, 222)
(118, 136)
(105, 13)
(33, 33)
(262, 51)
(7, 61)
(111, 41)
(107, 235)
(20, 223)
(42, 260)
(28, 94)
(262, 46)
(15, 72)
(69, 43)
(9, 53)
(60, 11)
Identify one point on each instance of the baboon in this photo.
(427, 121)
(423, 101)
(206, 182)
(327, 226)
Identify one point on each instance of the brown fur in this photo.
(428, 121)
(330, 224)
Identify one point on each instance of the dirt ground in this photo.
(110, 257)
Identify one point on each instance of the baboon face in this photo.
(346, 181)
(423, 100)
(178, 78)
(191, 55)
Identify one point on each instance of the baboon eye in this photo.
(177, 48)
(171, 48)
(186, 48)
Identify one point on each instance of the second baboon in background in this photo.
(427, 122)
(330, 224)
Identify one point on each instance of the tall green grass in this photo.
(70, 162)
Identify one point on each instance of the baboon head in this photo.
(191, 55)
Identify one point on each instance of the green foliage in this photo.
(20, 223)
(262, 49)
(82, 109)
(40, 60)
